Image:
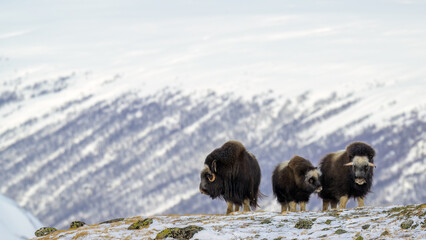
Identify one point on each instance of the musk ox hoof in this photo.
(360, 181)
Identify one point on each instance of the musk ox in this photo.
(294, 181)
(347, 174)
(233, 174)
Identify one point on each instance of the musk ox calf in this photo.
(293, 182)
(232, 173)
(347, 174)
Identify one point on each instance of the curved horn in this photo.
(213, 178)
(214, 165)
(349, 164)
(371, 165)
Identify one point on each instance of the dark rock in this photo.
(366, 226)
(141, 224)
(45, 231)
(77, 224)
(179, 233)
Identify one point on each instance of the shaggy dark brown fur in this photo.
(294, 181)
(233, 174)
(347, 174)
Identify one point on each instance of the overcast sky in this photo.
(280, 45)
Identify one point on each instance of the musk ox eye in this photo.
(366, 168)
(211, 177)
(311, 181)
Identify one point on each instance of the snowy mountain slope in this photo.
(103, 155)
(366, 223)
(15, 222)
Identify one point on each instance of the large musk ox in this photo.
(347, 174)
(294, 181)
(232, 173)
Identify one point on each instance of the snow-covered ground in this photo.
(16, 223)
(368, 223)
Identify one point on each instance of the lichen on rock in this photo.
(77, 224)
(45, 231)
(340, 231)
(385, 233)
(407, 224)
(179, 233)
(141, 224)
(304, 224)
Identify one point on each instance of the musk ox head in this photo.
(361, 160)
(312, 181)
(211, 183)
(307, 176)
(218, 168)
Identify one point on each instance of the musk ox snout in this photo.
(319, 189)
(203, 189)
(312, 180)
(360, 181)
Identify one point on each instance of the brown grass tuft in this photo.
(80, 235)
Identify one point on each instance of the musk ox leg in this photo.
(343, 201)
(360, 201)
(325, 204)
(333, 204)
(246, 205)
(230, 208)
(236, 207)
(284, 207)
(302, 206)
(293, 206)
